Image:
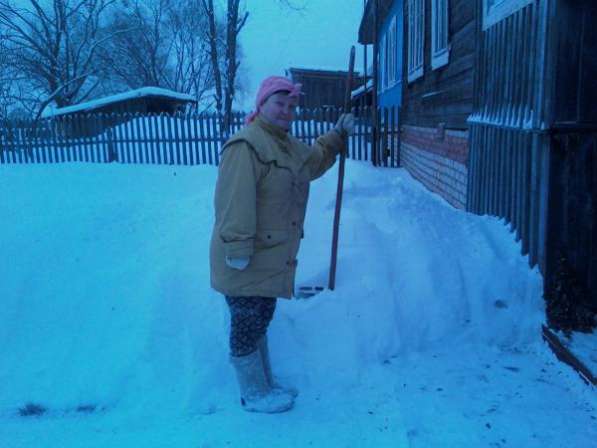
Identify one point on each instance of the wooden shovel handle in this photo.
(347, 109)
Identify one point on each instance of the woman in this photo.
(260, 201)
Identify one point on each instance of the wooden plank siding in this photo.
(443, 95)
(509, 148)
(576, 92)
(571, 271)
(533, 146)
(509, 79)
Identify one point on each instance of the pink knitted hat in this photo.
(270, 86)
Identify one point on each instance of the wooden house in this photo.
(424, 52)
(498, 116)
(382, 27)
(439, 42)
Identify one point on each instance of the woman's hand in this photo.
(345, 125)
(238, 263)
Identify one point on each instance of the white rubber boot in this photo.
(263, 349)
(256, 393)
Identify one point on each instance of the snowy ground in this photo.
(584, 346)
(431, 339)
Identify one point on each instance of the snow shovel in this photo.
(304, 292)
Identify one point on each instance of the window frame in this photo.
(383, 62)
(501, 9)
(389, 75)
(416, 39)
(440, 17)
(392, 57)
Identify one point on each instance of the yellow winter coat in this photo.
(260, 201)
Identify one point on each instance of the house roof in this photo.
(362, 89)
(319, 72)
(143, 92)
(367, 26)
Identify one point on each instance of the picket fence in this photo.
(185, 139)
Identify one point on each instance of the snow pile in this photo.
(107, 291)
(413, 270)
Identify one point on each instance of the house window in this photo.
(392, 52)
(440, 51)
(388, 56)
(386, 72)
(495, 11)
(383, 63)
(416, 38)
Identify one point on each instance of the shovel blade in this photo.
(306, 292)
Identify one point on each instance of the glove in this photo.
(238, 263)
(345, 125)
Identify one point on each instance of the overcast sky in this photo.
(276, 38)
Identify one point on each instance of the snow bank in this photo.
(412, 272)
(106, 294)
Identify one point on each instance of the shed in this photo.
(94, 117)
(363, 95)
(322, 88)
(145, 100)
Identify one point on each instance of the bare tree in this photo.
(162, 47)
(234, 25)
(293, 4)
(55, 42)
(225, 73)
(191, 71)
(214, 38)
(138, 57)
(6, 79)
(225, 70)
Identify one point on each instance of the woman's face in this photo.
(278, 109)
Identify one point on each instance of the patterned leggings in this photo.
(249, 319)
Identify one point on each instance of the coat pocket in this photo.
(271, 238)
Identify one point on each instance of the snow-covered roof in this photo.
(320, 68)
(88, 106)
(360, 90)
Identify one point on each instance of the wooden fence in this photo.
(386, 132)
(190, 139)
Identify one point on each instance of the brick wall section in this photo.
(438, 159)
